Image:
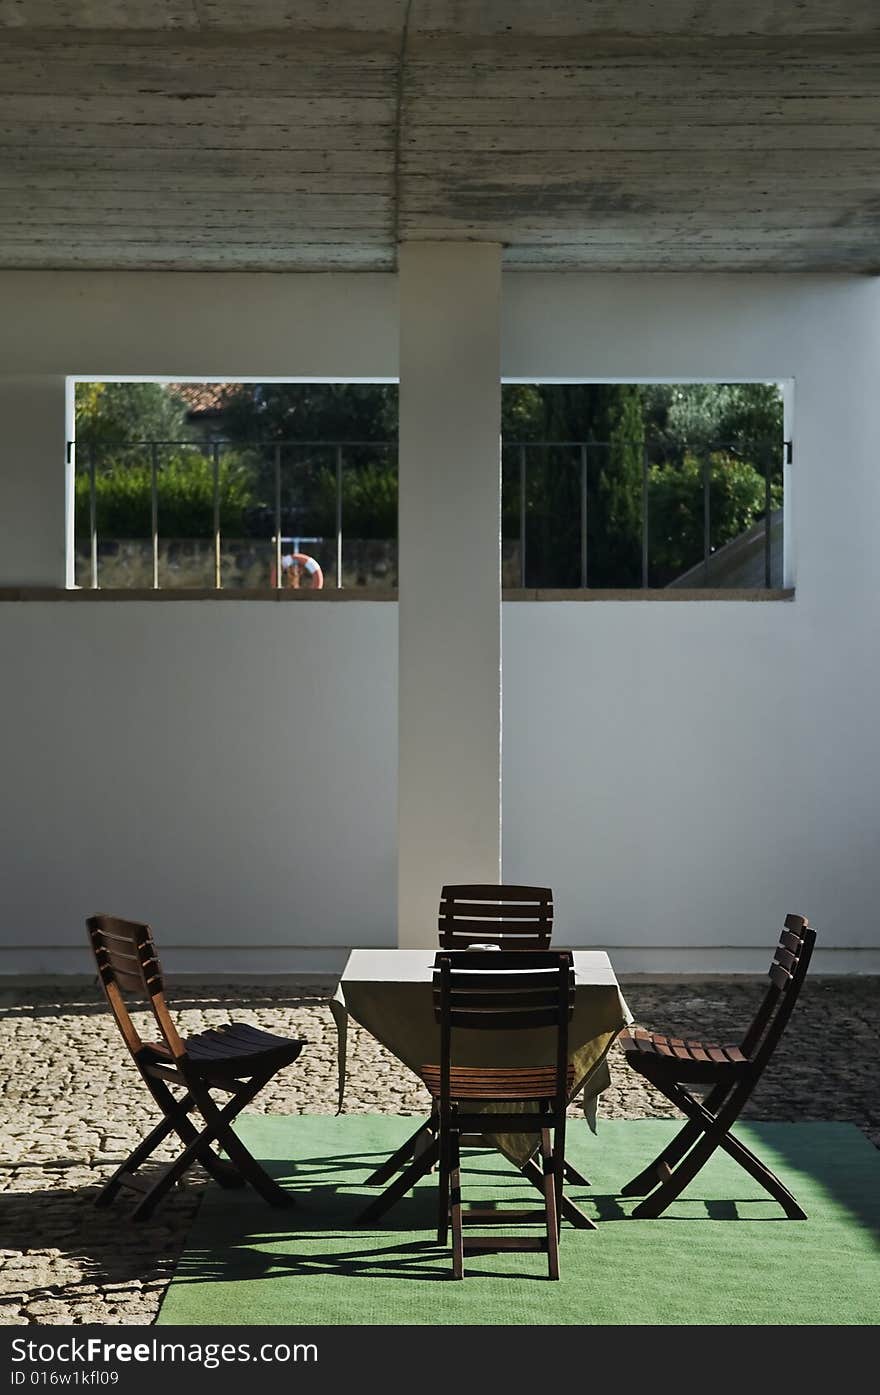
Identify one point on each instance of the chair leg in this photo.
(177, 1112)
(551, 1166)
(674, 1151)
(455, 1206)
(714, 1128)
(220, 1124)
(558, 1157)
(654, 1173)
(568, 1211)
(443, 1190)
(571, 1174)
(762, 1174)
(146, 1206)
(655, 1204)
(716, 1134)
(139, 1155)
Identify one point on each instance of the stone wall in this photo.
(246, 563)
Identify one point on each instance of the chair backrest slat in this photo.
(780, 977)
(128, 963)
(517, 917)
(788, 970)
(502, 992)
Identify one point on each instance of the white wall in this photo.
(224, 771)
(681, 773)
(685, 773)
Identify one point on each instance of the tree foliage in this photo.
(737, 496)
(114, 414)
(608, 418)
(311, 412)
(699, 416)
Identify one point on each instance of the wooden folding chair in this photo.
(729, 1073)
(514, 917)
(235, 1058)
(501, 993)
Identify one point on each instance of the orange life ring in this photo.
(295, 564)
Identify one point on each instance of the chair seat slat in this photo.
(510, 1084)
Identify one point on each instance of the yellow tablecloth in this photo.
(388, 991)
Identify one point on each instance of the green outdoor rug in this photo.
(723, 1253)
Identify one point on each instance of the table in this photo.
(388, 991)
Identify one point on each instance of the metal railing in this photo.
(213, 450)
(584, 455)
(770, 455)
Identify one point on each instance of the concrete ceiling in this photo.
(278, 134)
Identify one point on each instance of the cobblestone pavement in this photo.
(72, 1106)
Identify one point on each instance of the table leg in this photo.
(571, 1174)
(421, 1164)
(570, 1212)
(411, 1148)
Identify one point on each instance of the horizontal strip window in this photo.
(581, 519)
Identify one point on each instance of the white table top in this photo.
(591, 967)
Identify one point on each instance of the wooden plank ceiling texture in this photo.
(647, 135)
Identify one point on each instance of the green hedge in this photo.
(185, 490)
(737, 499)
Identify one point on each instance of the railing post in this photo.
(278, 515)
(583, 449)
(645, 518)
(216, 464)
(93, 520)
(154, 510)
(522, 515)
(707, 520)
(767, 555)
(339, 518)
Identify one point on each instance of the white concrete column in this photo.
(449, 786)
(32, 480)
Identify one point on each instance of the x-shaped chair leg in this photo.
(674, 1151)
(217, 1129)
(179, 1110)
(219, 1121)
(715, 1133)
(176, 1119)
